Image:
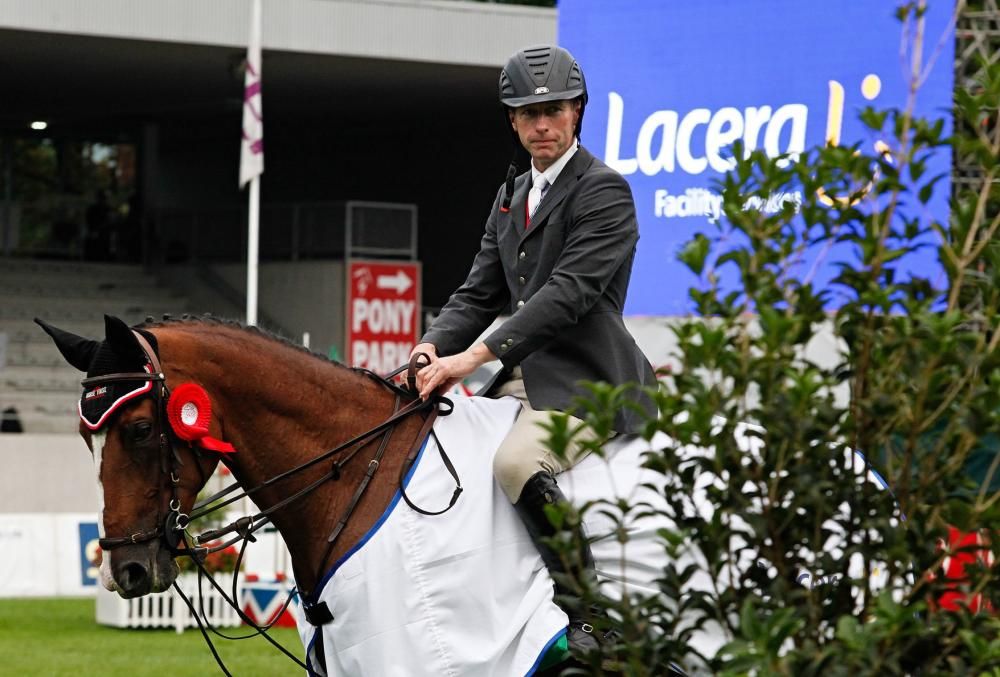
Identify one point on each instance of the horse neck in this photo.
(280, 407)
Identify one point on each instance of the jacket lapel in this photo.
(520, 199)
(567, 179)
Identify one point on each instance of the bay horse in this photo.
(164, 402)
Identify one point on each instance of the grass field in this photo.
(59, 637)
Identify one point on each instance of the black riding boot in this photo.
(539, 491)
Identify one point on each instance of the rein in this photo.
(173, 528)
(255, 522)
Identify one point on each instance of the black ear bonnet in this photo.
(118, 353)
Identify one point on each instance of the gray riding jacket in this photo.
(563, 282)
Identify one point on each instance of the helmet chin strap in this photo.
(508, 195)
(579, 121)
(509, 185)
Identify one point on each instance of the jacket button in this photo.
(521, 280)
(521, 255)
(503, 347)
(520, 304)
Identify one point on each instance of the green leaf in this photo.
(694, 254)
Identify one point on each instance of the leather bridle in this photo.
(170, 460)
(172, 528)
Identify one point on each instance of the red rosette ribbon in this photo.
(190, 411)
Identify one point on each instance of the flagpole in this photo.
(252, 154)
(253, 231)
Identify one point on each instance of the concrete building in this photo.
(120, 127)
(378, 100)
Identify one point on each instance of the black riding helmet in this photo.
(540, 74)
(536, 75)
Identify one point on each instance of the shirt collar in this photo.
(552, 173)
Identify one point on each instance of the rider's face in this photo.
(546, 129)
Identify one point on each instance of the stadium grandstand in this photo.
(119, 150)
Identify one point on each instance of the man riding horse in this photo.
(556, 257)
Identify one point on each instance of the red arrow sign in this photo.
(383, 313)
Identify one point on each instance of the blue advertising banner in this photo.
(88, 553)
(673, 84)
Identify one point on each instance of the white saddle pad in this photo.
(466, 593)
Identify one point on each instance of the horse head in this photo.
(146, 478)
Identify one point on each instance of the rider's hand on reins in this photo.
(445, 372)
(422, 357)
(437, 377)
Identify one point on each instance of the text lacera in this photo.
(664, 141)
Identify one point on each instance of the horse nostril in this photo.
(134, 579)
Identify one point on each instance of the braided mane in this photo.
(209, 321)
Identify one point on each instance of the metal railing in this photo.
(288, 232)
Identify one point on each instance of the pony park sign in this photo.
(383, 304)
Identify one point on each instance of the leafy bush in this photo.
(814, 571)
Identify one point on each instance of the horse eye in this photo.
(141, 431)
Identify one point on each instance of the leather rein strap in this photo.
(172, 527)
(419, 361)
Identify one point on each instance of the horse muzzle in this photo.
(140, 569)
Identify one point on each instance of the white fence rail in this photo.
(167, 609)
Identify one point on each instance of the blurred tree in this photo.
(54, 180)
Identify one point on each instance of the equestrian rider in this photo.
(556, 257)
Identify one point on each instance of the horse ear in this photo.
(122, 340)
(77, 350)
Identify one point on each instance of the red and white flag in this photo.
(252, 151)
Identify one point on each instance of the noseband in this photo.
(175, 521)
